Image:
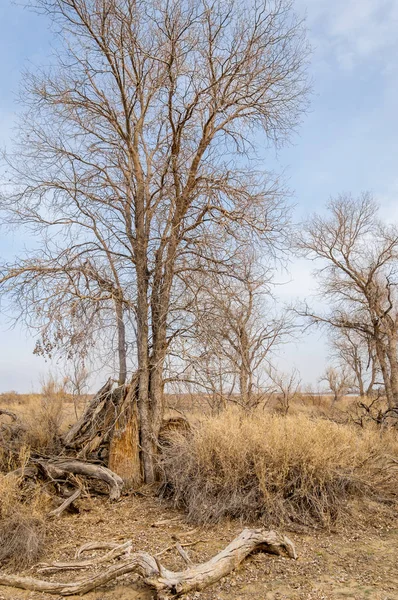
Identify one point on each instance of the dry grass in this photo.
(22, 525)
(277, 469)
(41, 420)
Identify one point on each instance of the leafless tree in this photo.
(234, 332)
(73, 302)
(77, 382)
(356, 352)
(286, 386)
(139, 141)
(339, 382)
(358, 277)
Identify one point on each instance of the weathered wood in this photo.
(163, 522)
(58, 468)
(109, 430)
(95, 546)
(86, 563)
(166, 583)
(124, 446)
(183, 553)
(28, 471)
(88, 432)
(57, 512)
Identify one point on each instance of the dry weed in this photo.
(277, 469)
(39, 425)
(22, 525)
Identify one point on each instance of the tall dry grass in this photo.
(22, 521)
(277, 469)
(41, 420)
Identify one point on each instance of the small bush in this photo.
(277, 469)
(22, 539)
(22, 527)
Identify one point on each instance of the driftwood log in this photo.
(58, 468)
(166, 583)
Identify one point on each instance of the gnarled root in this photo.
(167, 583)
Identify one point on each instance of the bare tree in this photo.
(338, 381)
(356, 352)
(139, 139)
(358, 277)
(77, 382)
(235, 330)
(285, 386)
(73, 302)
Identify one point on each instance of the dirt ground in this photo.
(349, 563)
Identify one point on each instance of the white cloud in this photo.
(353, 30)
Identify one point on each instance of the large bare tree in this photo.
(358, 277)
(139, 141)
(235, 329)
(74, 303)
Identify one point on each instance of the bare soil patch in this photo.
(348, 563)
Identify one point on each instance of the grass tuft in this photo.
(22, 524)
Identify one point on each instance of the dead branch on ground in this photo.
(166, 583)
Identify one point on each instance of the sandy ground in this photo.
(353, 563)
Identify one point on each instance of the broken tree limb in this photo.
(27, 471)
(167, 583)
(165, 522)
(57, 512)
(95, 546)
(58, 468)
(79, 433)
(183, 553)
(76, 564)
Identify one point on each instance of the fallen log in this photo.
(166, 583)
(58, 468)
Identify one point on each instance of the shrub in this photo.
(22, 526)
(276, 469)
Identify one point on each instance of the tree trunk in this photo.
(124, 447)
(384, 370)
(244, 367)
(369, 389)
(146, 438)
(393, 360)
(358, 375)
(121, 342)
(243, 384)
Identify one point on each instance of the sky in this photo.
(346, 143)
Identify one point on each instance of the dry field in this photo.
(331, 488)
(353, 563)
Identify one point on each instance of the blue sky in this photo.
(347, 142)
